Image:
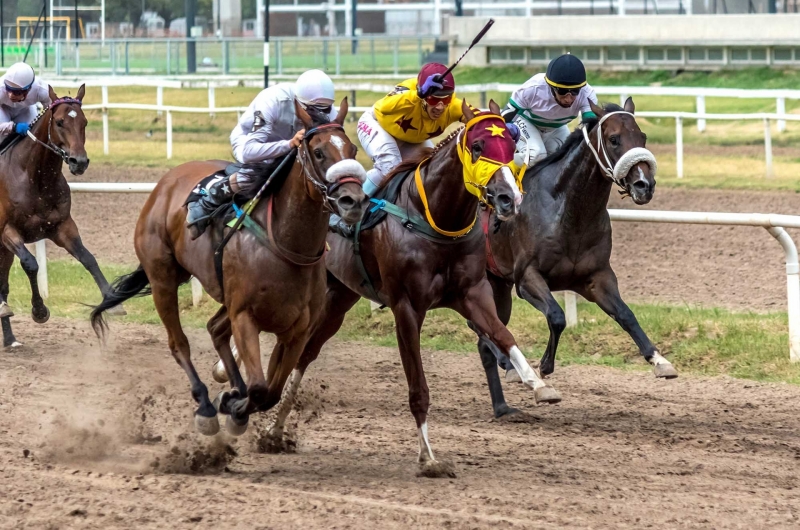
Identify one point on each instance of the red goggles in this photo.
(436, 100)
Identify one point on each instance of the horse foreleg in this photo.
(219, 328)
(602, 289)
(534, 289)
(338, 301)
(165, 297)
(6, 260)
(68, 238)
(14, 242)
(477, 305)
(245, 333)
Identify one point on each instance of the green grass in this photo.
(701, 341)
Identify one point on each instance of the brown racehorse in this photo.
(562, 237)
(35, 199)
(413, 275)
(276, 286)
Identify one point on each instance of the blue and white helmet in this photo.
(19, 76)
(314, 88)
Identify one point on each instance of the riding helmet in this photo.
(315, 88)
(19, 75)
(566, 71)
(449, 83)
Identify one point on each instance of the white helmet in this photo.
(314, 87)
(20, 76)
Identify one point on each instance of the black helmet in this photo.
(566, 71)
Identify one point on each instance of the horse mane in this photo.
(13, 139)
(412, 163)
(573, 140)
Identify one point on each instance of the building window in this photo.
(697, 54)
(715, 54)
(516, 55)
(674, 54)
(758, 55)
(740, 55)
(498, 54)
(538, 54)
(655, 54)
(631, 55)
(783, 55)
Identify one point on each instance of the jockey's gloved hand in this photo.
(21, 128)
(434, 82)
(513, 130)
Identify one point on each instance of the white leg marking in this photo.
(657, 359)
(287, 401)
(529, 376)
(425, 451)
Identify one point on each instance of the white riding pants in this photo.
(535, 143)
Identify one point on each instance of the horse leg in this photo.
(14, 242)
(6, 260)
(246, 333)
(490, 352)
(219, 327)
(165, 296)
(338, 301)
(477, 305)
(602, 289)
(533, 289)
(68, 238)
(408, 323)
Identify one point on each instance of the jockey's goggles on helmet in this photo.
(18, 90)
(436, 100)
(565, 91)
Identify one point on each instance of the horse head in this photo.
(66, 130)
(334, 170)
(619, 147)
(486, 149)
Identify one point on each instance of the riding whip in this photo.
(475, 41)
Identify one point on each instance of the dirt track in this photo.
(622, 450)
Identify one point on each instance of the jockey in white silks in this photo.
(544, 106)
(267, 130)
(20, 91)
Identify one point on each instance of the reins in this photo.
(50, 145)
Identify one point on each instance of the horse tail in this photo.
(123, 288)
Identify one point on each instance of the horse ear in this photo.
(629, 106)
(303, 115)
(340, 117)
(494, 107)
(52, 93)
(597, 109)
(81, 93)
(466, 110)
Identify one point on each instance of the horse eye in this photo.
(614, 140)
(60, 123)
(318, 154)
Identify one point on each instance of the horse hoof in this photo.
(218, 372)
(42, 318)
(206, 426)
(233, 428)
(5, 310)
(546, 394)
(15, 344)
(512, 376)
(665, 371)
(436, 469)
(117, 311)
(505, 410)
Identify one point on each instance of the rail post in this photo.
(780, 108)
(701, 109)
(792, 290)
(211, 99)
(169, 135)
(679, 146)
(768, 147)
(104, 91)
(197, 292)
(571, 308)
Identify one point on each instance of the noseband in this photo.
(50, 145)
(315, 180)
(630, 158)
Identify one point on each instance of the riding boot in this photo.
(199, 212)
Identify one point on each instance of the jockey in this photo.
(544, 106)
(19, 94)
(402, 123)
(267, 130)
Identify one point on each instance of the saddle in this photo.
(10, 141)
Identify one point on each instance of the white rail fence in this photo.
(774, 224)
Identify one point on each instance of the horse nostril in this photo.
(72, 161)
(641, 186)
(504, 201)
(346, 202)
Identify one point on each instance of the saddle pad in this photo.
(388, 193)
(10, 141)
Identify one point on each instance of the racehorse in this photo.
(35, 199)
(561, 240)
(413, 274)
(274, 282)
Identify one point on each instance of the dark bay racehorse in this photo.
(275, 285)
(413, 275)
(561, 240)
(35, 199)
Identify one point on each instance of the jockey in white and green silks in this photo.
(544, 106)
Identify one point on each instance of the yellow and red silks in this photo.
(498, 152)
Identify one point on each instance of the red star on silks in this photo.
(436, 133)
(405, 124)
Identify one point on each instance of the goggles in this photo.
(565, 91)
(434, 101)
(18, 90)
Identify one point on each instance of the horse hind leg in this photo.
(219, 328)
(6, 260)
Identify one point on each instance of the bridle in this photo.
(50, 145)
(311, 172)
(630, 158)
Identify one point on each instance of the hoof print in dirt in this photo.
(518, 417)
(198, 461)
(273, 445)
(437, 469)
